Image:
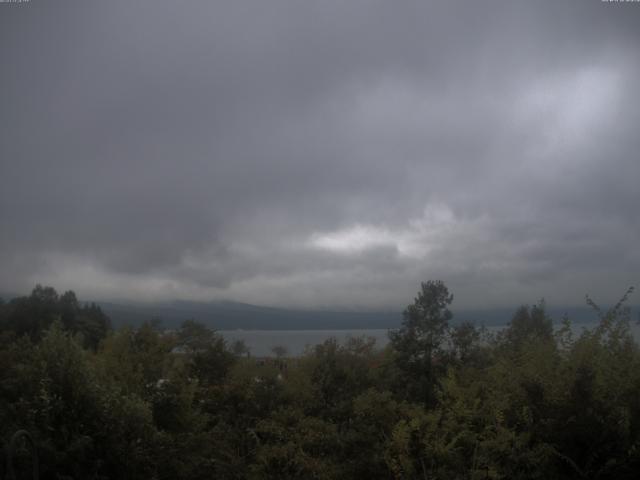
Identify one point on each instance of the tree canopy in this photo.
(439, 401)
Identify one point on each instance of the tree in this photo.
(240, 348)
(34, 314)
(194, 336)
(209, 359)
(464, 339)
(418, 343)
(529, 324)
(280, 351)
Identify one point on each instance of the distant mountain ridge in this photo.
(230, 315)
(227, 315)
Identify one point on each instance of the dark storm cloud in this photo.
(320, 154)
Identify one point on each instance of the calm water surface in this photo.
(260, 342)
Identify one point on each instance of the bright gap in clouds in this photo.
(415, 240)
(570, 108)
(354, 239)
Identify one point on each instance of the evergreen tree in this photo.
(418, 344)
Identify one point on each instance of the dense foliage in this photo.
(440, 402)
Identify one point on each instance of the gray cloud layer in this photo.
(324, 154)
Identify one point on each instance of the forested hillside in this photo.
(440, 402)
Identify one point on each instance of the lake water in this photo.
(260, 342)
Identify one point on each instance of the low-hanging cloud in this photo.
(326, 155)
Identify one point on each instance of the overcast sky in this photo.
(324, 154)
